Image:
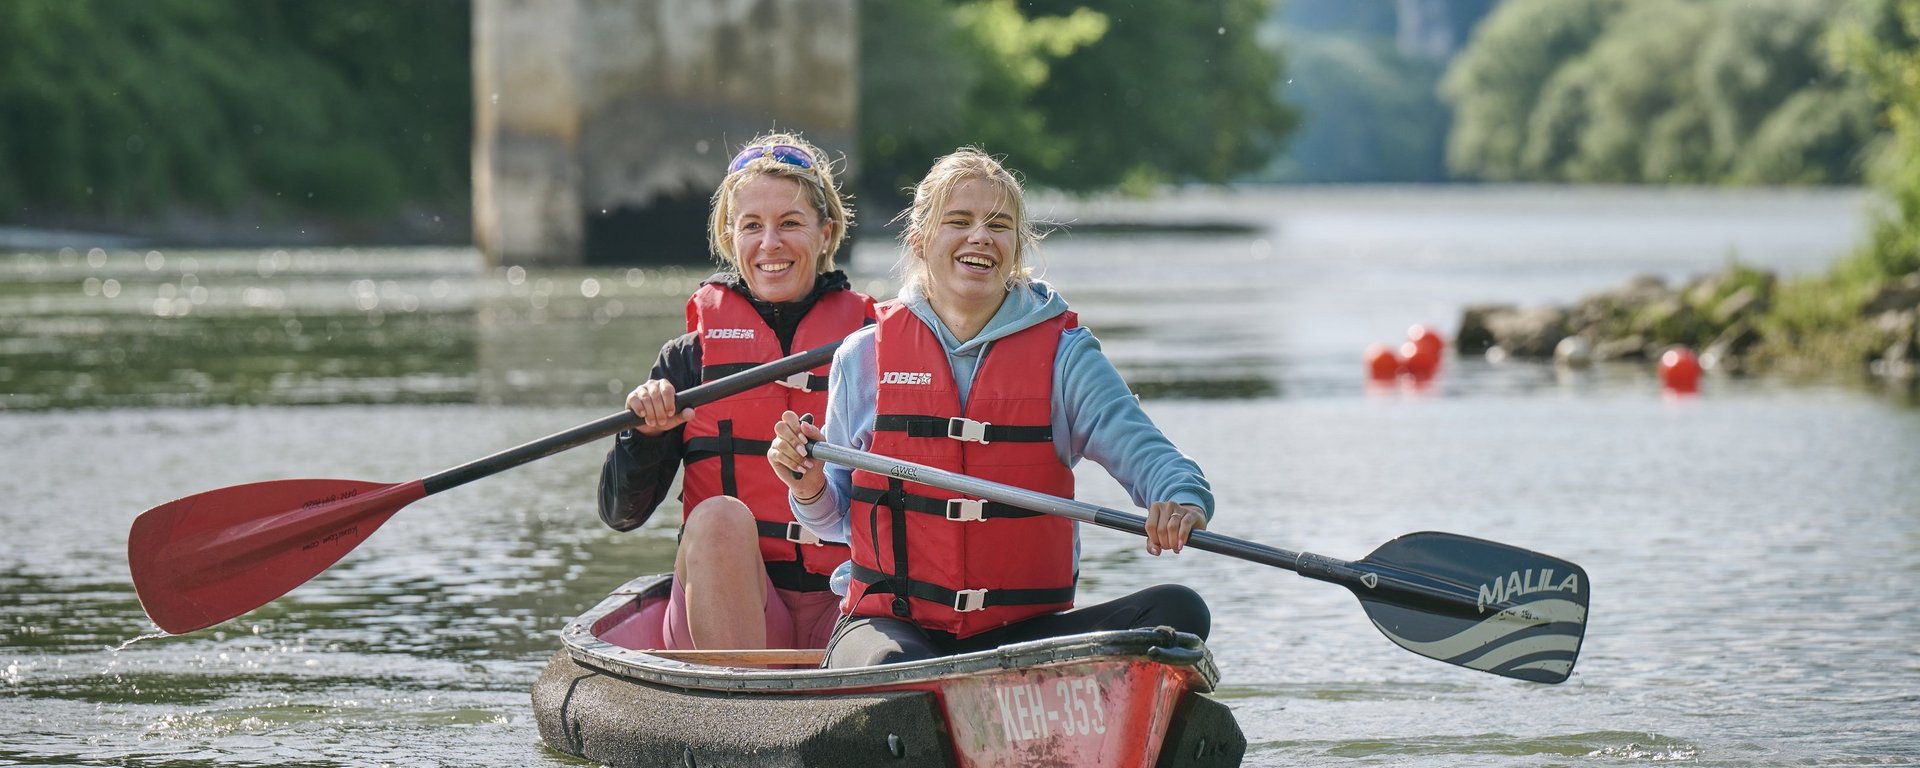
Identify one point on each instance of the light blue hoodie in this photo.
(1092, 407)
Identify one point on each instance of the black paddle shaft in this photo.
(717, 389)
(1524, 618)
(1354, 576)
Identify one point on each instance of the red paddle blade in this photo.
(200, 560)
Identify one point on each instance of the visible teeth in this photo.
(976, 262)
(776, 267)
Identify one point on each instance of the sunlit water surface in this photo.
(1754, 550)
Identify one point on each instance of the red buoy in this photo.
(1420, 355)
(1429, 339)
(1382, 363)
(1680, 370)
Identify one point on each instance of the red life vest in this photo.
(937, 558)
(727, 441)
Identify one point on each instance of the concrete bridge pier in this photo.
(602, 126)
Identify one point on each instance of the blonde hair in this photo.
(817, 181)
(930, 198)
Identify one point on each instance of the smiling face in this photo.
(777, 238)
(972, 247)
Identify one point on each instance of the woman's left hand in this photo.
(1169, 524)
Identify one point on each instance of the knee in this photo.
(870, 642)
(717, 524)
(1182, 608)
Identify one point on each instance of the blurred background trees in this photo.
(1078, 96)
(115, 113)
(1625, 91)
(204, 115)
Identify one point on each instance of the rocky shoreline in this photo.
(1729, 316)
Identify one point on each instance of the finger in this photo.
(1153, 530)
(808, 433)
(1186, 531)
(1161, 525)
(788, 426)
(783, 456)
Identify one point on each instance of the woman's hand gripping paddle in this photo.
(1479, 604)
(200, 560)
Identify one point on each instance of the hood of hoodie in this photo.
(1026, 305)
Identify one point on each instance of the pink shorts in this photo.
(794, 619)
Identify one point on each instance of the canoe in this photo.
(1123, 698)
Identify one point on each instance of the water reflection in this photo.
(408, 326)
(139, 329)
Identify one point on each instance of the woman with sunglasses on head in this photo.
(745, 575)
(978, 368)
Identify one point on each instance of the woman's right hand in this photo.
(653, 403)
(788, 455)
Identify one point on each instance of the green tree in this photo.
(1778, 108)
(1881, 42)
(1634, 91)
(113, 110)
(1627, 82)
(936, 74)
(1494, 84)
(1064, 90)
(1177, 90)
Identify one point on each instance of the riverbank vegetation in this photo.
(1772, 91)
(1868, 307)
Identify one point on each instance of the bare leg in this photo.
(718, 564)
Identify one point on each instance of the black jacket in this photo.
(639, 470)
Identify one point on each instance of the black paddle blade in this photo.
(1522, 614)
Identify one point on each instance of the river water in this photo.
(1754, 550)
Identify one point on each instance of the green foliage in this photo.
(1606, 94)
(1814, 324)
(1880, 40)
(1819, 322)
(1814, 137)
(1629, 91)
(1748, 59)
(114, 109)
(1494, 84)
(1078, 97)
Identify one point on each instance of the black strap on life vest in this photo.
(933, 506)
(725, 447)
(895, 501)
(940, 426)
(793, 576)
(815, 382)
(934, 593)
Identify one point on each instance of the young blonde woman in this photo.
(973, 340)
(744, 575)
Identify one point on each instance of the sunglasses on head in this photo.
(785, 153)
